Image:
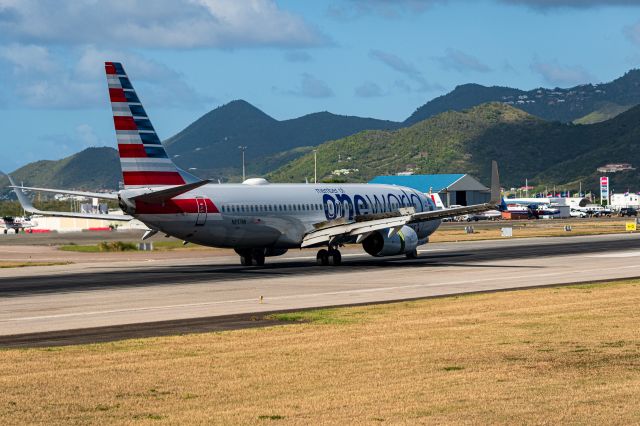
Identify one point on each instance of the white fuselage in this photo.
(274, 215)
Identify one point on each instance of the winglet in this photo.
(22, 198)
(495, 184)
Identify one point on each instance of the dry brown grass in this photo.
(560, 355)
(13, 264)
(532, 228)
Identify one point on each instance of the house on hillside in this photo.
(462, 189)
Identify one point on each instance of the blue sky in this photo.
(376, 58)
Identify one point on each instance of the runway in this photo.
(103, 301)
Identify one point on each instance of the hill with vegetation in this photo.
(210, 144)
(453, 142)
(565, 105)
(606, 112)
(456, 136)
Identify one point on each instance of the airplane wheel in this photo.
(335, 258)
(246, 260)
(412, 254)
(322, 258)
(258, 259)
(5, 231)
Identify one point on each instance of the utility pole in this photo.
(243, 149)
(315, 166)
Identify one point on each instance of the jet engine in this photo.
(274, 252)
(379, 244)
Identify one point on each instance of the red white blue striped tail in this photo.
(143, 159)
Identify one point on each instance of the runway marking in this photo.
(616, 254)
(311, 295)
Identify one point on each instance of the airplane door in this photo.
(202, 211)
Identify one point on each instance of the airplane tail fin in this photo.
(143, 160)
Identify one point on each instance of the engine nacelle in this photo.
(269, 252)
(379, 244)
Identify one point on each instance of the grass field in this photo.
(555, 355)
(12, 264)
(157, 245)
(529, 229)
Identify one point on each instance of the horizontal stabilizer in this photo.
(28, 207)
(158, 197)
(101, 195)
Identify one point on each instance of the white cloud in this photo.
(41, 79)
(576, 4)
(157, 24)
(353, 9)
(368, 89)
(561, 75)
(28, 58)
(86, 136)
(632, 32)
(398, 64)
(310, 87)
(297, 56)
(457, 60)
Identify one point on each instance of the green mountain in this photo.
(451, 142)
(210, 144)
(606, 112)
(92, 169)
(565, 105)
(455, 138)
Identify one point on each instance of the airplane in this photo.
(256, 218)
(16, 223)
(525, 207)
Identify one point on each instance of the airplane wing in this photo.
(101, 195)
(27, 206)
(363, 226)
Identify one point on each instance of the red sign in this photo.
(604, 180)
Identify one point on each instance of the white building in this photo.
(619, 201)
(71, 224)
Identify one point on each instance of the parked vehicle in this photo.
(627, 211)
(578, 213)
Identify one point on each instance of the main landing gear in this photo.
(249, 257)
(412, 254)
(329, 257)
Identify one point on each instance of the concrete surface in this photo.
(198, 285)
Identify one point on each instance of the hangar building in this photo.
(462, 189)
